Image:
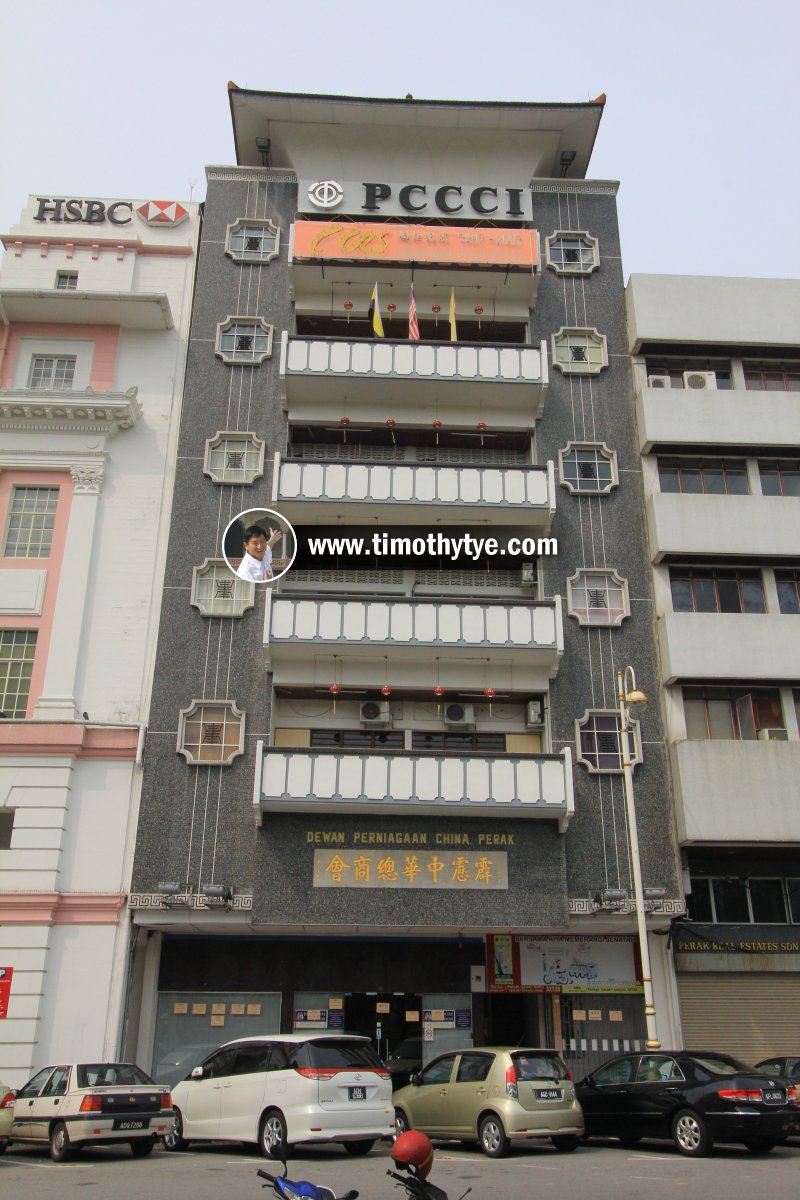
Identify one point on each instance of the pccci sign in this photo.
(400, 199)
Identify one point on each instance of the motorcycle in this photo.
(416, 1187)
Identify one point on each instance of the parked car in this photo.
(6, 1114)
(286, 1088)
(407, 1059)
(495, 1094)
(79, 1104)
(694, 1098)
(787, 1065)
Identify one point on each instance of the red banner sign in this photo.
(365, 241)
(5, 989)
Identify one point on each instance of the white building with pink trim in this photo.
(95, 303)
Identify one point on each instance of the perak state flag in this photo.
(413, 323)
(375, 313)
(453, 331)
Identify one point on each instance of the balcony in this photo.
(744, 792)
(370, 636)
(414, 382)
(419, 784)
(414, 493)
(678, 417)
(719, 525)
(129, 310)
(729, 646)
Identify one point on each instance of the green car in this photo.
(495, 1094)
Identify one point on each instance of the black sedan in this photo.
(787, 1065)
(694, 1098)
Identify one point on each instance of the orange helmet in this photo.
(414, 1149)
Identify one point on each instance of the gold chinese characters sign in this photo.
(411, 869)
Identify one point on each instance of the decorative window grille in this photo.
(572, 253)
(233, 457)
(598, 738)
(217, 592)
(211, 733)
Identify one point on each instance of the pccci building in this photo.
(385, 793)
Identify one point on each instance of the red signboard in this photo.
(5, 989)
(362, 241)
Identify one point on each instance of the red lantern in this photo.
(479, 309)
(391, 307)
(437, 425)
(437, 308)
(481, 426)
(489, 693)
(438, 691)
(390, 421)
(386, 690)
(348, 304)
(390, 424)
(334, 690)
(344, 420)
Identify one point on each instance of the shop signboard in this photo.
(6, 975)
(369, 241)
(517, 963)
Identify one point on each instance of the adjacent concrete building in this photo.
(717, 370)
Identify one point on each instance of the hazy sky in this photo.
(129, 99)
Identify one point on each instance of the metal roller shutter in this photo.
(747, 1015)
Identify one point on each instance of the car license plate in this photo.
(141, 1124)
(774, 1097)
(548, 1094)
(357, 1093)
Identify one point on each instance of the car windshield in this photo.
(719, 1064)
(112, 1075)
(336, 1053)
(538, 1066)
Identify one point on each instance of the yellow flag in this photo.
(453, 331)
(375, 313)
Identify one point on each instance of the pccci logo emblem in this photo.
(326, 194)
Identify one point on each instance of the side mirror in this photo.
(197, 1073)
(587, 1082)
(414, 1079)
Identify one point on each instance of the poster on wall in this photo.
(556, 964)
(6, 975)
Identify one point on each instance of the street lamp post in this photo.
(627, 695)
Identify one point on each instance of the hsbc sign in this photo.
(474, 201)
(61, 210)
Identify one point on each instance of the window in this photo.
(599, 740)
(788, 584)
(730, 713)
(251, 1057)
(220, 1063)
(252, 241)
(597, 597)
(357, 739)
(217, 592)
(57, 1083)
(772, 376)
(34, 1086)
(731, 899)
(655, 1068)
(704, 476)
(52, 373)
(473, 1068)
(589, 468)
(621, 1070)
(17, 649)
(674, 369)
(459, 743)
(31, 517)
(244, 340)
(234, 458)
(580, 351)
(793, 894)
(707, 590)
(569, 253)
(439, 1071)
(6, 827)
(66, 281)
(780, 477)
(211, 733)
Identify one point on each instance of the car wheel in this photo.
(359, 1148)
(690, 1134)
(272, 1141)
(492, 1136)
(175, 1139)
(401, 1122)
(59, 1143)
(566, 1143)
(760, 1145)
(142, 1147)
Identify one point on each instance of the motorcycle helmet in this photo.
(414, 1149)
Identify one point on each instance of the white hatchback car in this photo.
(280, 1089)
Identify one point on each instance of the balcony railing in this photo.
(304, 488)
(527, 633)
(729, 646)
(678, 417)
(690, 523)
(363, 376)
(418, 784)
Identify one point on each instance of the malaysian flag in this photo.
(413, 323)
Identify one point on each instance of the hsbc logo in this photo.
(64, 211)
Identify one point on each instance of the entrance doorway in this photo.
(518, 1019)
(388, 1018)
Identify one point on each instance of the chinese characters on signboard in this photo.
(411, 869)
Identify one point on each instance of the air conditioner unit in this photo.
(376, 712)
(527, 573)
(459, 716)
(659, 381)
(534, 715)
(699, 380)
(773, 735)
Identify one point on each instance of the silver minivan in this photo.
(280, 1089)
